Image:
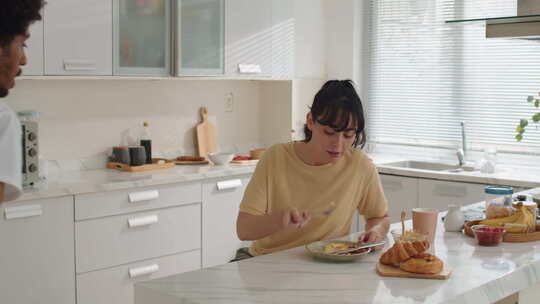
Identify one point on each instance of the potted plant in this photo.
(520, 129)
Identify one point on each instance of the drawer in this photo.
(111, 241)
(115, 285)
(102, 204)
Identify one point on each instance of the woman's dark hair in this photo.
(16, 16)
(334, 106)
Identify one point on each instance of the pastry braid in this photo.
(402, 251)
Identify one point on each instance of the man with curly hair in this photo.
(15, 18)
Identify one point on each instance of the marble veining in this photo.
(480, 275)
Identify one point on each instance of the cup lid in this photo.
(499, 190)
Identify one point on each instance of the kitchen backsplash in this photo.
(82, 119)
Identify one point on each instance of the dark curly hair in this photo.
(335, 105)
(16, 16)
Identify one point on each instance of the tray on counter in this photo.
(508, 236)
(146, 167)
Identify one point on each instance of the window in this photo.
(426, 76)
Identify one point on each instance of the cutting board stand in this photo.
(392, 271)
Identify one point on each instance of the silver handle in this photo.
(229, 184)
(143, 196)
(22, 211)
(143, 221)
(144, 270)
(79, 65)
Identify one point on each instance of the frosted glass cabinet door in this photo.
(200, 37)
(142, 37)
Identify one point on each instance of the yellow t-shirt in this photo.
(282, 180)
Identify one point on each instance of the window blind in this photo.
(426, 76)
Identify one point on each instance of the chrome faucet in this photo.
(462, 152)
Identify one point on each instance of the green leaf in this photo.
(523, 123)
(536, 103)
(530, 98)
(536, 117)
(519, 137)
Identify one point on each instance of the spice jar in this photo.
(498, 201)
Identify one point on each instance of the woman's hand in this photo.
(376, 230)
(292, 219)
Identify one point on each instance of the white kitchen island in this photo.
(480, 275)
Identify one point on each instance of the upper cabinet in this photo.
(199, 37)
(231, 38)
(142, 43)
(259, 38)
(78, 37)
(248, 38)
(34, 50)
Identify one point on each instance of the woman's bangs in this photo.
(338, 117)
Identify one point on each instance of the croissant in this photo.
(402, 251)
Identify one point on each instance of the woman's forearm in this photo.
(253, 227)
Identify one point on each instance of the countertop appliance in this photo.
(30, 147)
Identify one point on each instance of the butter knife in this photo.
(369, 245)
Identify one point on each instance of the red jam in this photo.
(489, 236)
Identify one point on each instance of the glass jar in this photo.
(498, 201)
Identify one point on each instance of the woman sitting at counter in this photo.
(296, 180)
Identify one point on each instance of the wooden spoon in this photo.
(403, 223)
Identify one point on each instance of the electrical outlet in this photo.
(229, 102)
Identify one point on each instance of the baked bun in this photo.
(402, 251)
(423, 263)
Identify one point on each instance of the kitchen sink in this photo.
(422, 165)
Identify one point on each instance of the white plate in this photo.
(316, 250)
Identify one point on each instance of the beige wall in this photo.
(84, 118)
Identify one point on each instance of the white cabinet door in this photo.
(439, 194)
(221, 200)
(142, 31)
(248, 37)
(34, 50)
(37, 253)
(283, 31)
(199, 42)
(78, 37)
(116, 285)
(401, 193)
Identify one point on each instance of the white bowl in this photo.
(221, 158)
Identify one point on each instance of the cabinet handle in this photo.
(143, 196)
(144, 270)
(142, 221)
(450, 191)
(244, 68)
(229, 184)
(79, 65)
(22, 211)
(392, 185)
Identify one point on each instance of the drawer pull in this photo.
(142, 221)
(79, 65)
(229, 184)
(143, 196)
(22, 211)
(144, 270)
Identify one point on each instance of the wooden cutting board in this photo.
(206, 135)
(391, 271)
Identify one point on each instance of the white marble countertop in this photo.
(480, 275)
(99, 180)
(72, 182)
